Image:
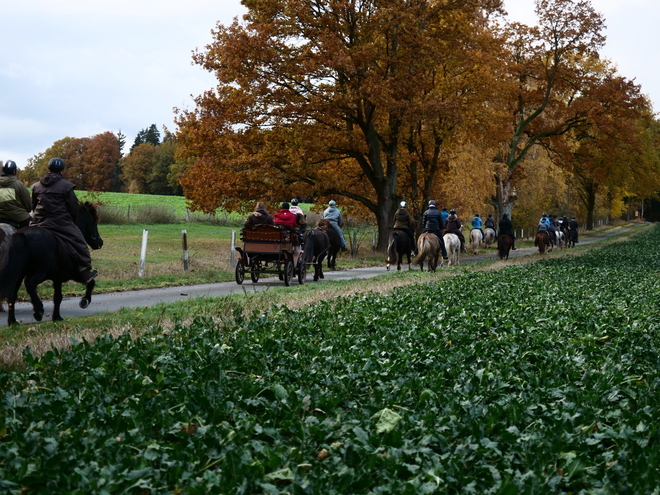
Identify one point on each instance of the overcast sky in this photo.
(81, 67)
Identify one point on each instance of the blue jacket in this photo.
(477, 223)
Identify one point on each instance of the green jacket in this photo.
(15, 201)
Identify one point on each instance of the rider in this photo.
(402, 221)
(432, 222)
(477, 223)
(333, 214)
(295, 209)
(258, 217)
(544, 225)
(15, 204)
(445, 215)
(56, 207)
(553, 228)
(454, 226)
(490, 222)
(573, 229)
(506, 227)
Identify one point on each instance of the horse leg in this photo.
(31, 283)
(87, 298)
(57, 300)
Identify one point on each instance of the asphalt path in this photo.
(111, 302)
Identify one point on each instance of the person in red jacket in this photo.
(286, 218)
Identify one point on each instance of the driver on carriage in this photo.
(477, 223)
(454, 226)
(403, 221)
(289, 221)
(258, 217)
(433, 222)
(15, 204)
(506, 227)
(333, 214)
(55, 208)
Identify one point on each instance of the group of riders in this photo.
(441, 222)
(52, 205)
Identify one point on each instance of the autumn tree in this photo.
(325, 97)
(136, 168)
(550, 66)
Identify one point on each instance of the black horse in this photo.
(398, 244)
(315, 250)
(504, 243)
(34, 255)
(335, 243)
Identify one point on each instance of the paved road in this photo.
(108, 303)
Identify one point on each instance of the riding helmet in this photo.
(332, 203)
(9, 167)
(294, 201)
(452, 211)
(56, 164)
(545, 214)
(432, 203)
(476, 214)
(403, 204)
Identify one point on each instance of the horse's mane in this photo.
(324, 223)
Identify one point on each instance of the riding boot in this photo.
(88, 274)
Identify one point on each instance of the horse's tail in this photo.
(424, 248)
(12, 270)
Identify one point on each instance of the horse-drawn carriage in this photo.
(270, 249)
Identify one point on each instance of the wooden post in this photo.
(354, 246)
(184, 239)
(143, 253)
(232, 259)
(187, 214)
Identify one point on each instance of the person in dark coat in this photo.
(573, 229)
(258, 217)
(15, 203)
(433, 222)
(402, 221)
(56, 207)
(506, 227)
(454, 226)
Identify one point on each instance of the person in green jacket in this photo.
(15, 201)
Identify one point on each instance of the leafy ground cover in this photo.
(539, 378)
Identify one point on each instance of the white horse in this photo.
(6, 231)
(453, 247)
(489, 237)
(561, 239)
(476, 238)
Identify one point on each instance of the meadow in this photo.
(535, 378)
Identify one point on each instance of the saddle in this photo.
(10, 222)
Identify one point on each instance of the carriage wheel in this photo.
(288, 273)
(240, 272)
(255, 268)
(302, 271)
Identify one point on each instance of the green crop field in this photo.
(538, 378)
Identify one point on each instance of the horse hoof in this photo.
(38, 315)
(84, 302)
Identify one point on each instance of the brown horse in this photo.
(428, 245)
(398, 244)
(335, 242)
(504, 243)
(542, 242)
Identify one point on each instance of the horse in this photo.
(34, 255)
(428, 244)
(504, 244)
(453, 247)
(476, 237)
(315, 250)
(398, 244)
(561, 239)
(572, 238)
(335, 242)
(6, 231)
(542, 241)
(489, 237)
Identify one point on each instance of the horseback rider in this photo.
(56, 207)
(477, 222)
(333, 214)
(544, 226)
(553, 228)
(454, 226)
(445, 215)
(490, 222)
(403, 221)
(506, 227)
(15, 204)
(432, 222)
(573, 229)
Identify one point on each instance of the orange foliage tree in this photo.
(338, 98)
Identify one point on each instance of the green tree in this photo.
(148, 135)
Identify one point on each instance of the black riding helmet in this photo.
(9, 168)
(56, 164)
(294, 201)
(452, 211)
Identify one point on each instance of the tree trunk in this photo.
(506, 196)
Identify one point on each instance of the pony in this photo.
(34, 256)
(489, 237)
(428, 244)
(572, 238)
(561, 239)
(315, 250)
(335, 242)
(398, 244)
(542, 241)
(453, 247)
(504, 244)
(6, 231)
(476, 237)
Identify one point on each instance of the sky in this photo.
(77, 68)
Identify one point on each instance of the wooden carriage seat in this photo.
(267, 239)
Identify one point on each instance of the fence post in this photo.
(143, 253)
(232, 260)
(522, 234)
(128, 212)
(354, 246)
(184, 239)
(373, 241)
(187, 214)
